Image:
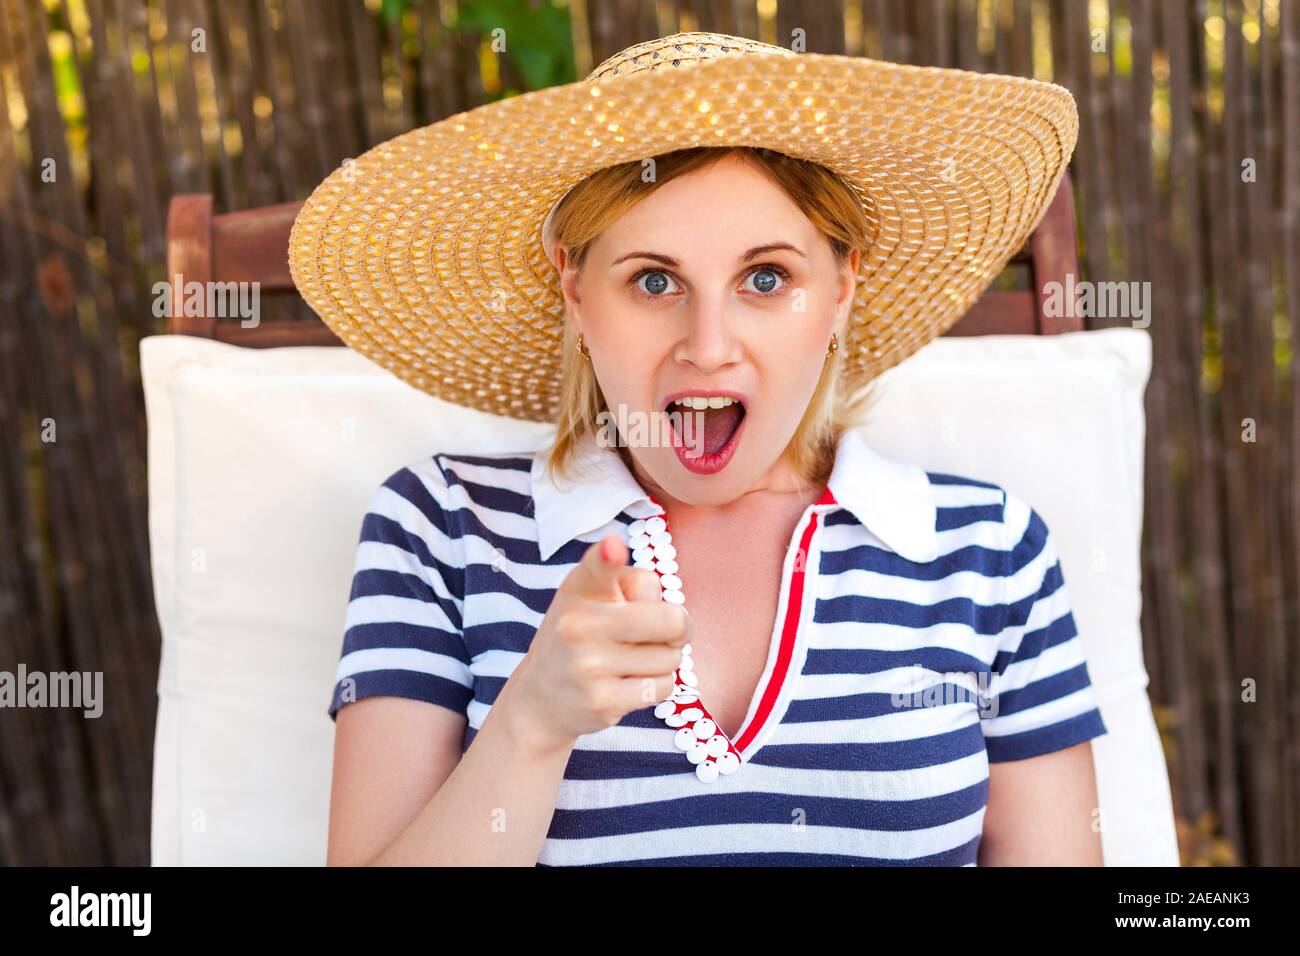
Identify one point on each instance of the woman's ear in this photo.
(568, 287)
(848, 286)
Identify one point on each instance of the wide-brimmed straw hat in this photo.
(426, 255)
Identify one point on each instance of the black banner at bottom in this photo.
(348, 906)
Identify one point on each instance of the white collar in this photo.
(893, 499)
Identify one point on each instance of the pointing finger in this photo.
(599, 572)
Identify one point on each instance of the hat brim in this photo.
(425, 255)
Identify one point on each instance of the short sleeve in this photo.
(1041, 698)
(402, 636)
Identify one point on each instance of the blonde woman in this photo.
(708, 623)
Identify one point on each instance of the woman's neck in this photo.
(782, 487)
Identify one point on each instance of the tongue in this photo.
(719, 425)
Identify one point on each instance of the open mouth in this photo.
(707, 430)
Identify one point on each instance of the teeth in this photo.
(699, 401)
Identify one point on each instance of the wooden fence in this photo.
(1187, 177)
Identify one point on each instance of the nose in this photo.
(708, 341)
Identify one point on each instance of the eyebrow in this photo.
(751, 254)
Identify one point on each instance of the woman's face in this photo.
(717, 287)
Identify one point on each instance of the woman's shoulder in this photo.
(446, 488)
(962, 499)
(441, 472)
(963, 485)
(1000, 517)
(959, 495)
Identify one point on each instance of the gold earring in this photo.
(582, 349)
(834, 346)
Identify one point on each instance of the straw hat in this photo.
(425, 253)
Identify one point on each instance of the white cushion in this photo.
(1060, 421)
(261, 463)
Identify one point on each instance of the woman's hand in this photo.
(405, 794)
(607, 646)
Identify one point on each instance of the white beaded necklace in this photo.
(698, 734)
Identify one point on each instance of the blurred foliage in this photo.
(1200, 843)
(537, 40)
(534, 40)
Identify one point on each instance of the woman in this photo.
(879, 664)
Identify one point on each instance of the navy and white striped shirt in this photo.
(933, 634)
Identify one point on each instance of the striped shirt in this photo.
(926, 633)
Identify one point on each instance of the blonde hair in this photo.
(597, 201)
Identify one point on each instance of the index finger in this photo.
(600, 571)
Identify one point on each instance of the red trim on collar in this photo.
(789, 631)
(771, 692)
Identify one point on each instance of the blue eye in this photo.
(657, 282)
(768, 279)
